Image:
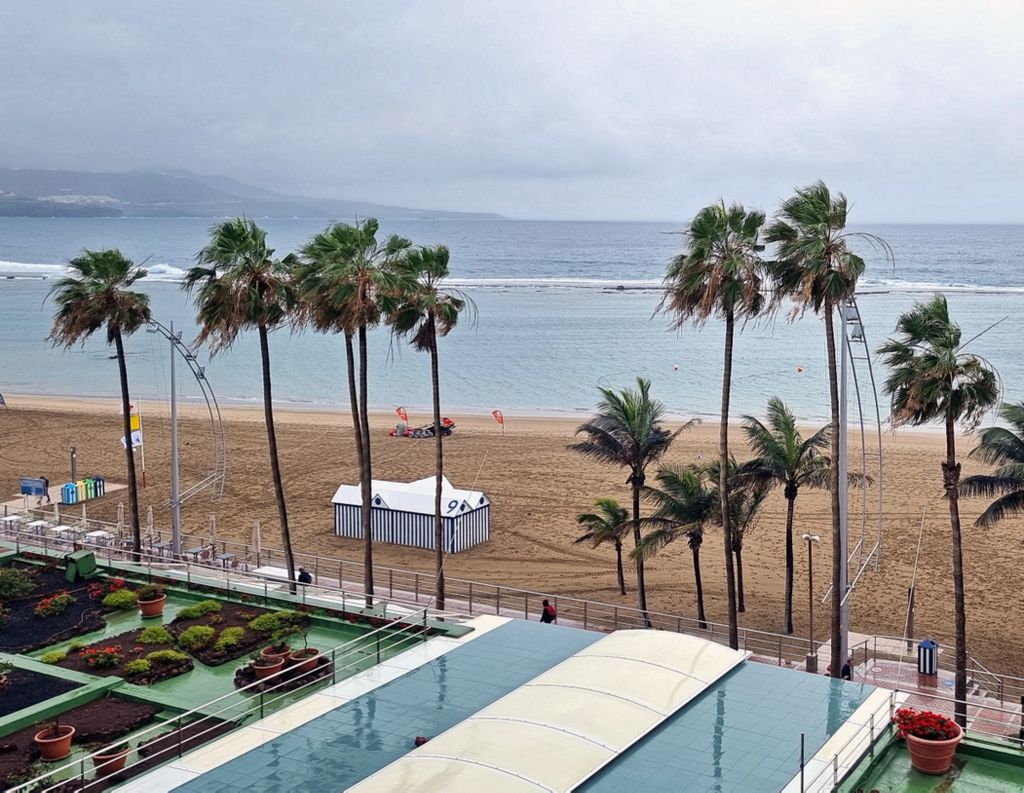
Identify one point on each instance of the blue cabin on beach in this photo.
(403, 514)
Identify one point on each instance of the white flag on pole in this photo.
(136, 439)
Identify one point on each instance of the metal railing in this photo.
(251, 702)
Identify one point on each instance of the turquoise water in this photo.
(552, 324)
(345, 745)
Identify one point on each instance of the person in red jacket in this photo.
(548, 613)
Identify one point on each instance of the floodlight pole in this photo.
(175, 494)
(811, 662)
(844, 533)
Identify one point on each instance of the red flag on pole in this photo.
(402, 414)
(498, 417)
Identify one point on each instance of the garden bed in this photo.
(229, 616)
(116, 656)
(22, 630)
(26, 688)
(97, 724)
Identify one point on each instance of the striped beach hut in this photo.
(403, 514)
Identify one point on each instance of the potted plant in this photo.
(306, 659)
(111, 759)
(931, 739)
(151, 600)
(286, 626)
(54, 742)
(265, 665)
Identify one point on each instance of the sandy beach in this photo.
(537, 487)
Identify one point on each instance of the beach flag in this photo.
(136, 439)
(2, 403)
(498, 417)
(402, 414)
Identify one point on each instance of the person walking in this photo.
(304, 576)
(548, 613)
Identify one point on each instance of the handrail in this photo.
(257, 704)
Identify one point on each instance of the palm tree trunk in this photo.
(435, 384)
(129, 452)
(723, 482)
(353, 398)
(699, 583)
(275, 463)
(641, 587)
(618, 567)
(790, 564)
(366, 472)
(741, 605)
(837, 660)
(951, 481)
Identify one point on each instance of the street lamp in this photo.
(812, 653)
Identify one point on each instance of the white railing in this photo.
(185, 731)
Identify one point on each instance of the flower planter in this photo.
(305, 660)
(932, 757)
(54, 743)
(276, 653)
(267, 667)
(107, 764)
(153, 608)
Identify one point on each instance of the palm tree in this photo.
(785, 458)
(932, 378)
(610, 523)
(816, 269)
(745, 501)
(238, 285)
(683, 507)
(428, 310)
(96, 294)
(720, 274)
(352, 281)
(627, 432)
(1004, 447)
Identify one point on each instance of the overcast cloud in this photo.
(610, 110)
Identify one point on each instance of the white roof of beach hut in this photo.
(417, 497)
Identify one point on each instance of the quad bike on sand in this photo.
(401, 430)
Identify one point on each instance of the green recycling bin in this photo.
(81, 565)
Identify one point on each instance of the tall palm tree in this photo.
(238, 285)
(429, 310)
(816, 269)
(745, 501)
(683, 507)
(720, 274)
(609, 523)
(96, 293)
(785, 458)
(627, 432)
(354, 282)
(932, 378)
(1004, 447)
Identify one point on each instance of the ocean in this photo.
(563, 307)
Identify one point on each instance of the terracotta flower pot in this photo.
(932, 757)
(55, 743)
(305, 660)
(153, 608)
(107, 764)
(276, 653)
(268, 667)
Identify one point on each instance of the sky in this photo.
(534, 109)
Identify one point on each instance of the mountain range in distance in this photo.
(40, 193)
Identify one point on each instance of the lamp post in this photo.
(811, 662)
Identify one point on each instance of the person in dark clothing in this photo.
(304, 576)
(548, 613)
(846, 673)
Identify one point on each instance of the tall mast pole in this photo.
(844, 541)
(175, 495)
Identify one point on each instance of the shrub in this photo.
(196, 637)
(229, 637)
(75, 646)
(53, 657)
(166, 657)
(102, 657)
(149, 592)
(157, 634)
(122, 599)
(279, 620)
(200, 609)
(53, 605)
(137, 667)
(14, 583)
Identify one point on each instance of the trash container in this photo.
(928, 658)
(81, 565)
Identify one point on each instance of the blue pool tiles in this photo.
(740, 736)
(356, 739)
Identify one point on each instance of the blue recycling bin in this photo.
(69, 493)
(928, 658)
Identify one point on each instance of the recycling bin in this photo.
(928, 658)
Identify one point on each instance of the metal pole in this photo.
(811, 662)
(802, 739)
(74, 464)
(843, 550)
(175, 494)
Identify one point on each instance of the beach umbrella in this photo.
(149, 523)
(120, 519)
(56, 512)
(85, 520)
(255, 540)
(213, 530)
